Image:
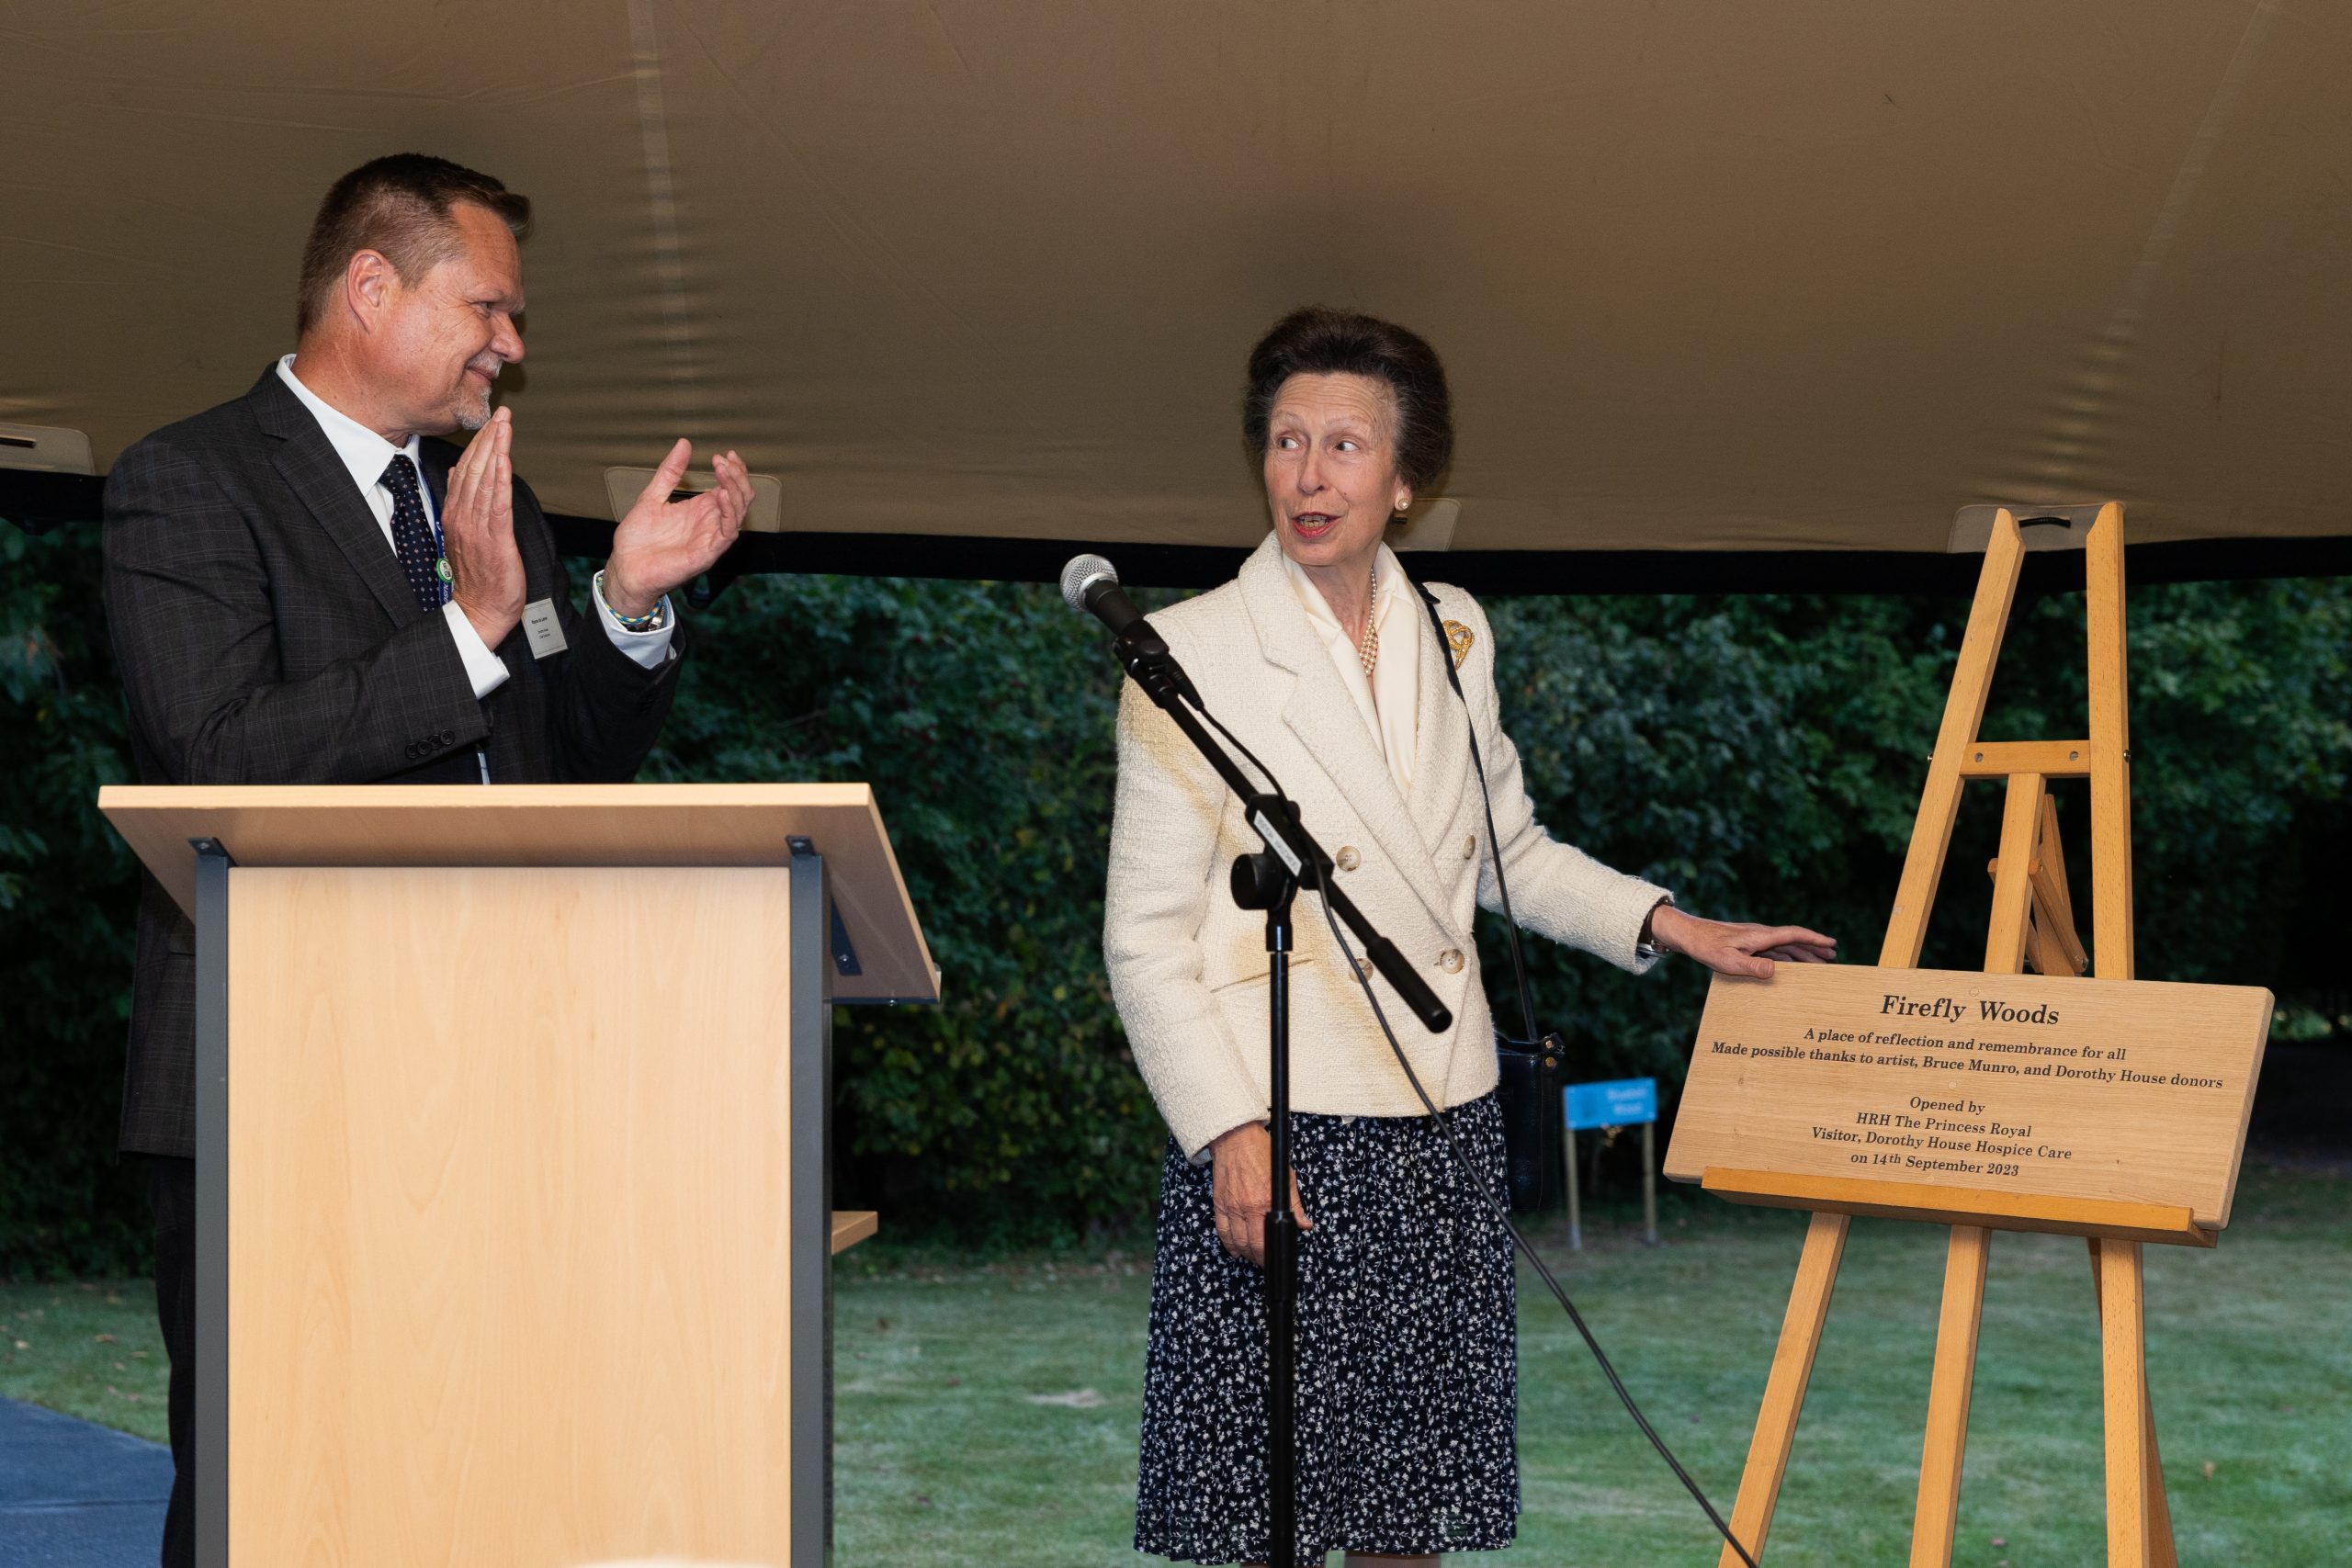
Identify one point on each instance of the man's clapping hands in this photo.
(660, 546)
(663, 543)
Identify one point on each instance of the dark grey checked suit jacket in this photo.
(265, 635)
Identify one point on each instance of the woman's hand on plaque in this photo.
(1738, 947)
(1242, 1171)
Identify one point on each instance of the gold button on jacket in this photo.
(1347, 859)
(1450, 961)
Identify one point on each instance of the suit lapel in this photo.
(1439, 745)
(306, 461)
(1322, 714)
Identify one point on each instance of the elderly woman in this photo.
(1321, 658)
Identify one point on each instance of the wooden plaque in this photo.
(2116, 1091)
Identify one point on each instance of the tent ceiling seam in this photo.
(684, 369)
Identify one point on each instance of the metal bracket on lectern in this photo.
(844, 956)
(208, 1491)
(845, 953)
(809, 1047)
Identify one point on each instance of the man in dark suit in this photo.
(307, 586)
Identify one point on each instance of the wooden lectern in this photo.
(514, 1219)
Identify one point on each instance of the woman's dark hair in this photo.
(1318, 340)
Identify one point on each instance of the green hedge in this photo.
(1760, 755)
(67, 896)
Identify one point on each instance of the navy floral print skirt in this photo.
(1407, 1368)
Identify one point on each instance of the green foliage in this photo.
(67, 891)
(982, 715)
(1761, 756)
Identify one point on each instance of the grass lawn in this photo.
(91, 1349)
(986, 1412)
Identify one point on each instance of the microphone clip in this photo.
(1268, 878)
(1150, 665)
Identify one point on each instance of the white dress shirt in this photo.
(367, 455)
(1390, 701)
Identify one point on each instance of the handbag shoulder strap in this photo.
(1494, 845)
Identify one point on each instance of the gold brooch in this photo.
(1459, 637)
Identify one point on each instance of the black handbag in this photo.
(1527, 1068)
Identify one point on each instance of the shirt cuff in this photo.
(650, 648)
(483, 668)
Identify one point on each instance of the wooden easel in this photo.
(2032, 916)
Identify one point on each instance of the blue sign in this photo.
(1619, 1102)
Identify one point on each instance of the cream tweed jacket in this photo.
(1188, 967)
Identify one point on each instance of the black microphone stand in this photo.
(1269, 880)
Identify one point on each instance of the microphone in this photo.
(1090, 586)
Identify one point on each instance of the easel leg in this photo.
(1776, 1422)
(2110, 748)
(1946, 1438)
(2160, 1546)
(2124, 1354)
(2159, 1511)
(1938, 1514)
(1971, 683)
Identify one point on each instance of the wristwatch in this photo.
(1645, 945)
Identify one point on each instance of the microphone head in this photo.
(1082, 573)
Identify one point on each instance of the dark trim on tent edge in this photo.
(39, 502)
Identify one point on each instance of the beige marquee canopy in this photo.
(1712, 278)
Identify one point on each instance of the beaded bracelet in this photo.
(648, 622)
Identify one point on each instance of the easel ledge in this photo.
(2159, 1222)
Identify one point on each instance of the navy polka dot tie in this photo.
(413, 535)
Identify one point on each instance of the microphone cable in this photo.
(1502, 1216)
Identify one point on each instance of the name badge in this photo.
(540, 624)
